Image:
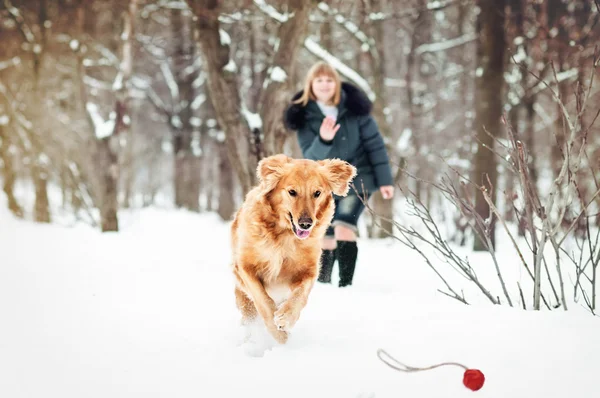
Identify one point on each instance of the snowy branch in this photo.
(14, 61)
(170, 80)
(18, 18)
(436, 5)
(253, 119)
(446, 44)
(367, 42)
(102, 128)
(272, 11)
(97, 84)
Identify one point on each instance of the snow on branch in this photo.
(170, 80)
(277, 74)
(102, 128)
(253, 119)
(16, 15)
(341, 67)
(367, 42)
(446, 44)
(542, 85)
(224, 37)
(561, 76)
(272, 11)
(110, 57)
(97, 84)
(411, 12)
(14, 61)
(231, 66)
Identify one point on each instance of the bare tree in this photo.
(265, 135)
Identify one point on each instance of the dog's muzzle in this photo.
(302, 231)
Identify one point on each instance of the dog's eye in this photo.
(317, 194)
(292, 192)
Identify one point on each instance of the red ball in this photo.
(473, 379)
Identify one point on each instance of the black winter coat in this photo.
(358, 140)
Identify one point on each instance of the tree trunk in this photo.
(275, 96)
(106, 149)
(209, 167)
(226, 198)
(39, 176)
(107, 160)
(384, 208)
(9, 174)
(225, 93)
(210, 152)
(223, 86)
(489, 83)
(186, 164)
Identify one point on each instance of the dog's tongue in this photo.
(301, 233)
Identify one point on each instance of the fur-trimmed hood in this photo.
(353, 99)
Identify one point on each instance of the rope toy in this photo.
(473, 379)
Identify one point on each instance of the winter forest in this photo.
(488, 109)
(130, 134)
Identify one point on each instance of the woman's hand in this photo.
(328, 128)
(387, 191)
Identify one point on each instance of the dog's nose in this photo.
(305, 222)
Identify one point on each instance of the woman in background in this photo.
(333, 120)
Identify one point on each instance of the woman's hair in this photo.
(320, 69)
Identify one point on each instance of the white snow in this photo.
(118, 83)
(170, 80)
(254, 120)
(74, 44)
(446, 44)
(11, 62)
(150, 312)
(278, 74)
(4, 120)
(224, 37)
(195, 121)
(403, 145)
(103, 128)
(231, 66)
(272, 11)
(176, 122)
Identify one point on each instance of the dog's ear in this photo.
(270, 169)
(339, 174)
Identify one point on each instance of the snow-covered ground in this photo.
(149, 312)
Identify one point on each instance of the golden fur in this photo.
(271, 253)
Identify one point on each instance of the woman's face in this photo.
(324, 88)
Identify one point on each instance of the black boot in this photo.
(347, 253)
(327, 260)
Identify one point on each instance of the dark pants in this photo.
(347, 212)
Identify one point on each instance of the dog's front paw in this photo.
(285, 318)
(281, 336)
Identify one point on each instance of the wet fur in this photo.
(274, 269)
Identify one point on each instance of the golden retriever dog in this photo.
(276, 237)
